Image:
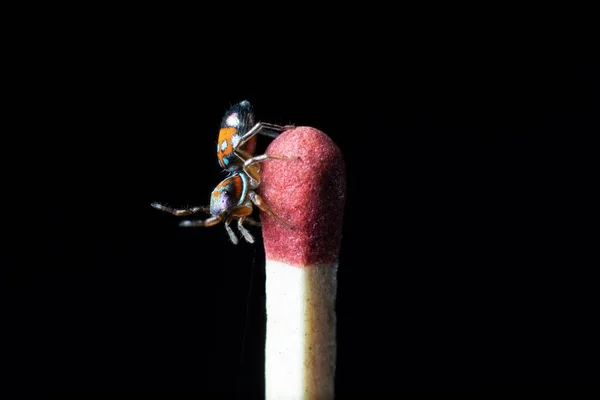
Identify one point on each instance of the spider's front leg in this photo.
(179, 211)
(271, 130)
(249, 168)
(263, 157)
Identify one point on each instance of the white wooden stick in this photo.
(300, 349)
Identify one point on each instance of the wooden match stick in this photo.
(307, 191)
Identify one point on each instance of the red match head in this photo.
(307, 190)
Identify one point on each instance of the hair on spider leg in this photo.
(179, 211)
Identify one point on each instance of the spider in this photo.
(234, 196)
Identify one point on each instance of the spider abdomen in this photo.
(229, 193)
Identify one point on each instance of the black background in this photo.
(460, 269)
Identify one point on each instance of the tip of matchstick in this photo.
(306, 190)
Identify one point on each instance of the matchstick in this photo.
(306, 190)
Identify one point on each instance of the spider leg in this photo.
(249, 161)
(273, 130)
(197, 223)
(252, 221)
(260, 203)
(232, 236)
(266, 129)
(244, 231)
(242, 212)
(262, 158)
(179, 212)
